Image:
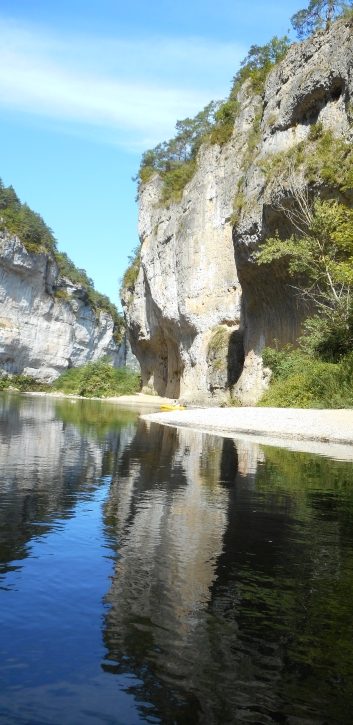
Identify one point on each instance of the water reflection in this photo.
(217, 590)
(229, 599)
(50, 453)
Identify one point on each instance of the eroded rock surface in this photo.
(41, 332)
(198, 281)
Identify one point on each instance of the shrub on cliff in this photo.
(175, 160)
(258, 63)
(99, 380)
(130, 276)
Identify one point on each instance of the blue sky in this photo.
(86, 86)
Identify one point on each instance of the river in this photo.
(149, 574)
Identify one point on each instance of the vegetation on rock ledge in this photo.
(130, 276)
(36, 236)
(175, 161)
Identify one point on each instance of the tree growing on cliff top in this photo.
(319, 14)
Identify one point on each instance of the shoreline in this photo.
(135, 399)
(326, 432)
(323, 432)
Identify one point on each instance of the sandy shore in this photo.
(138, 399)
(321, 426)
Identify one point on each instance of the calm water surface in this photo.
(172, 577)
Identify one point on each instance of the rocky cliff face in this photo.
(202, 310)
(45, 324)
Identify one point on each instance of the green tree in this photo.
(319, 14)
(319, 256)
(258, 63)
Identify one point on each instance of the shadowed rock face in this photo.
(40, 334)
(197, 270)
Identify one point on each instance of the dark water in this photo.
(151, 575)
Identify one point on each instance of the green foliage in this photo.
(219, 339)
(316, 131)
(176, 180)
(131, 274)
(169, 157)
(320, 259)
(329, 338)
(319, 14)
(238, 205)
(224, 122)
(61, 294)
(322, 251)
(322, 158)
(94, 416)
(284, 362)
(320, 256)
(175, 160)
(23, 383)
(258, 63)
(253, 140)
(218, 348)
(330, 161)
(98, 379)
(299, 381)
(19, 219)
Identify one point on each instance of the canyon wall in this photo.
(201, 309)
(46, 326)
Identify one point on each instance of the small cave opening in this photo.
(310, 106)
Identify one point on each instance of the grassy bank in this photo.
(301, 381)
(94, 380)
(22, 384)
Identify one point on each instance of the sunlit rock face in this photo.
(197, 269)
(42, 334)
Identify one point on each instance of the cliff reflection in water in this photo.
(231, 593)
(170, 514)
(220, 584)
(51, 452)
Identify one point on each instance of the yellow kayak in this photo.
(172, 407)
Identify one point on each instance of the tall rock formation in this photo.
(46, 325)
(201, 310)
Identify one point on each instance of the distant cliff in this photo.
(46, 321)
(200, 309)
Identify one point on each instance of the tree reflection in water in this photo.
(51, 454)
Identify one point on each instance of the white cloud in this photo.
(134, 90)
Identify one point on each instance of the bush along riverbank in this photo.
(302, 381)
(319, 261)
(95, 380)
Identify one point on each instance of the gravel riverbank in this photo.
(324, 426)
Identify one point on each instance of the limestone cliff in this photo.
(201, 310)
(46, 325)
